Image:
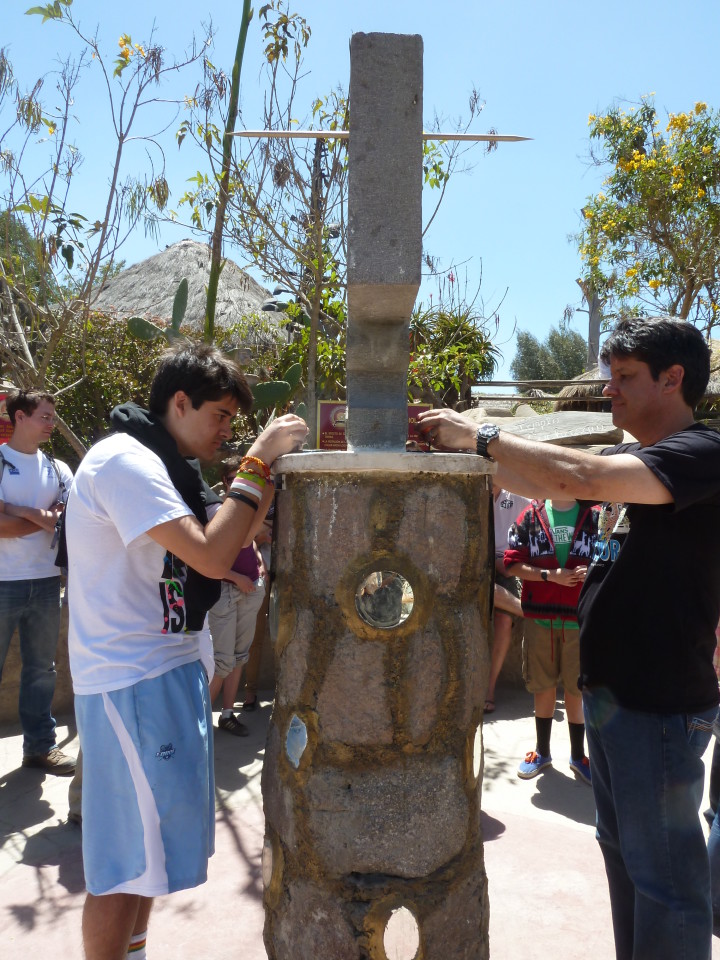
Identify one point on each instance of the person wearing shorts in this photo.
(506, 593)
(146, 561)
(233, 618)
(548, 549)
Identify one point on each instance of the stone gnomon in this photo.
(379, 611)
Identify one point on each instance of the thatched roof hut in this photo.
(585, 393)
(581, 393)
(148, 288)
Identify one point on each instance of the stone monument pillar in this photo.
(384, 233)
(379, 613)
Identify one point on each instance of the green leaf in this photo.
(68, 254)
(293, 375)
(179, 305)
(144, 330)
(270, 393)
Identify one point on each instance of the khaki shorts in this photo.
(551, 657)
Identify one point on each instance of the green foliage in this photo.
(561, 356)
(450, 350)
(269, 394)
(86, 351)
(52, 11)
(145, 330)
(650, 240)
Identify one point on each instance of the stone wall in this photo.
(373, 767)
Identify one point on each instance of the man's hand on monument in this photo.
(282, 436)
(446, 428)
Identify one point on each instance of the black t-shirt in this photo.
(651, 599)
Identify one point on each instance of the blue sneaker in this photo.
(581, 769)
(532, 765)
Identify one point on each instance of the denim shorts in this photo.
(148, 795)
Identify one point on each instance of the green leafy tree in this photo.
(650, 240)
(451, 348)
(286, 198)
(88, 386)
(561, 356)
(53, 257)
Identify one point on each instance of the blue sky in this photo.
(541, 68)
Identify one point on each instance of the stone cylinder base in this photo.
(373, 767)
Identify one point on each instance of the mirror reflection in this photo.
(384, 599)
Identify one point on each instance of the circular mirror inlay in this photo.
(267, 863)
(401, 939)
(477, 752)
(296, 740)
(384, 599)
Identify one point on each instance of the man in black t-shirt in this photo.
(647, 617)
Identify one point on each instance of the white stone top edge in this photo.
(381, 461)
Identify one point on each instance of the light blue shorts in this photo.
(148, 794)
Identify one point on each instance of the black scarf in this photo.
(201, 592)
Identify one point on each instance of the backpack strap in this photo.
(62, 488)
(3, 463)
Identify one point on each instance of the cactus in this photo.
(145, 330)
(271, 393)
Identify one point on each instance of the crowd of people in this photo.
(174, 576)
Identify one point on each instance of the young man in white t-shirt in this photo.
(33, 490)
(142, 557)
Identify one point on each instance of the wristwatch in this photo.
(544, 575)
(485, 433)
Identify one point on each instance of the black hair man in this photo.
(647, 615)
(143, 561)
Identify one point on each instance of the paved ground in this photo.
(548, 896)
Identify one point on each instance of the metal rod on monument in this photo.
(345, 134)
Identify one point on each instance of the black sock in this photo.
(577, 740)
(543, 729)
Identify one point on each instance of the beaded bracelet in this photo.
(246, 461)
(248, 483)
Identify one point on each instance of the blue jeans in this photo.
(33, 608)
(714, 838)
(648, 778)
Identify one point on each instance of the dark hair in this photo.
(200, 371)
(661, 342)
(27, 401)
(229, 466)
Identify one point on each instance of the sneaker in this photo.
(232, 725)
(532, 765)
(53, 762)
(581, 769)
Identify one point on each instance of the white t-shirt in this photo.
(127, 614)
(30, 480)
(507, 508)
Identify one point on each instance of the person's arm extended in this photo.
(528, 466)
(561, 575)
(212, 550)
(17, 521)
(504, 600)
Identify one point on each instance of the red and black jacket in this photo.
(530, 541)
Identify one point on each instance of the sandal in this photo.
(489, 706)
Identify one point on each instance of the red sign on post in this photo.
(6, 429)
(332, 417)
